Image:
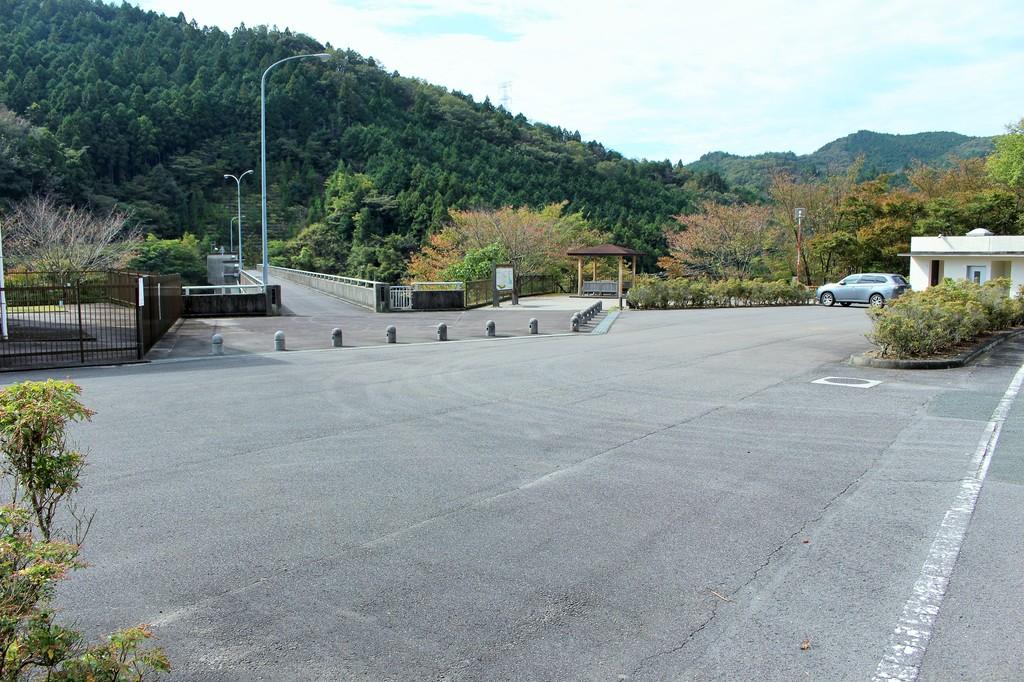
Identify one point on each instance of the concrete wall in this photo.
(955, 267)
(438, 300)
(233, 305)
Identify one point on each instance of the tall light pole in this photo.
(263, 151)
(238, 183)
(3, 289)
(799, 213)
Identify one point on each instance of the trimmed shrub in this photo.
(937, 320)
(650, 293)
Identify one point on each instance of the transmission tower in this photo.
(505, 99)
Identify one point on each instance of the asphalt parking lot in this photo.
(673, 500)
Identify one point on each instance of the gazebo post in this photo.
(634, 272)
(620, 276)
(579, 276)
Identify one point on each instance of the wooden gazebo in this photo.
(597, 287)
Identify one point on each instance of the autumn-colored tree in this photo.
(823, 201)
(442, 250)
(535, 241)
(721, 241)
(883, 220)
(965, 176)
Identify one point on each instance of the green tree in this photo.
(1006, 164)
(185, 256)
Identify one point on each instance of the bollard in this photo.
(217, 345)
(442, 332)
(574, 322)
(336, 337)
(599, 306)
(279, 340)
(533, 325)
(392, 334)
(490, 327)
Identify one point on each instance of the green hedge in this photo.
(935, 321)
(669, 294)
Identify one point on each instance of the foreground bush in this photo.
(656, 294)
(926, 323)
(39, 474)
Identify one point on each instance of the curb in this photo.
(606, 323)
(862, 360)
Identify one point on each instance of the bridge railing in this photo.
(362, 292)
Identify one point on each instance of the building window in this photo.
(976, 273)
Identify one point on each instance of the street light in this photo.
(3, 289)
(263, 151)
(238, 183)
(799, 213)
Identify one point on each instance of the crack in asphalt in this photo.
(772, 554)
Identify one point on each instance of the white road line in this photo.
(907, 644)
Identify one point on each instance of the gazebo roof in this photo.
(604, 250)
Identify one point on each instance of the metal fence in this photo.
(86, 319)
(480, 292)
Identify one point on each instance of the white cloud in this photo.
(674, 80)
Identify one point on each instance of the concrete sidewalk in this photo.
(310, 316)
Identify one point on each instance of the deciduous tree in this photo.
(722, 241)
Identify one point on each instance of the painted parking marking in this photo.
(909, 640)
(852, 382)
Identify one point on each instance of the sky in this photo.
(674, 80)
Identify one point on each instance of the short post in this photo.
(279, 340)
(336, 337)
(534, 325)
(392, 334)
(490, 327)
(600, 306)
(574, 322)
(442, 332)
(217, 345)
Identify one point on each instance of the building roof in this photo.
(961, 254)
(604, 250)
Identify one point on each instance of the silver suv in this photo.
(869, 287)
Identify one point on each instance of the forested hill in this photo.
(882, 152)
(105, 104)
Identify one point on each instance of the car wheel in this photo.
(877, 300)
(845, 304)
(827, 298)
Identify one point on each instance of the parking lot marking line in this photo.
(909, 640)
(851, 382)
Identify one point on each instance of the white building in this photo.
(979, 256)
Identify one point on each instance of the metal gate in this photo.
(53, 320)
(401, 298)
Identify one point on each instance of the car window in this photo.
(872, 279)
(899, 280)
(852, 279)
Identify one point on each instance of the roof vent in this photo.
(979, 232)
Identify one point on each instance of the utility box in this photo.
(222, 269)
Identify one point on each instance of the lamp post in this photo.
(3, 288)
(263, 151)
(799, 213)
(238, 183)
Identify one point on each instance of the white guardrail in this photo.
(352, 289)
(218, 289)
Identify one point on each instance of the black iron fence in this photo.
(90, 318)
